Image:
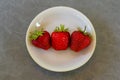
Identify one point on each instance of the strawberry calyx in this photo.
(34, 35)
(61, 28)
(84, 31)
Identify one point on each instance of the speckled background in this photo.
(15, 62)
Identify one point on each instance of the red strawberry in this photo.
(60, 38)
(40, 39)
(80, 40)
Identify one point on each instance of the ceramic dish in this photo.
(66, 60)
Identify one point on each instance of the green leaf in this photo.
(61, 28)
(34, 35)
(56, 29)
(66, 29)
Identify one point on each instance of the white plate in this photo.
(66, 60)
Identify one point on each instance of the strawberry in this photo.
(40, 39)
(80, 40)
(60, 38)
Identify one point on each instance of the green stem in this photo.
(84, 29)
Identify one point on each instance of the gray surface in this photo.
(15, 62)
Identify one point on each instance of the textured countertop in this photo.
(15, 62)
